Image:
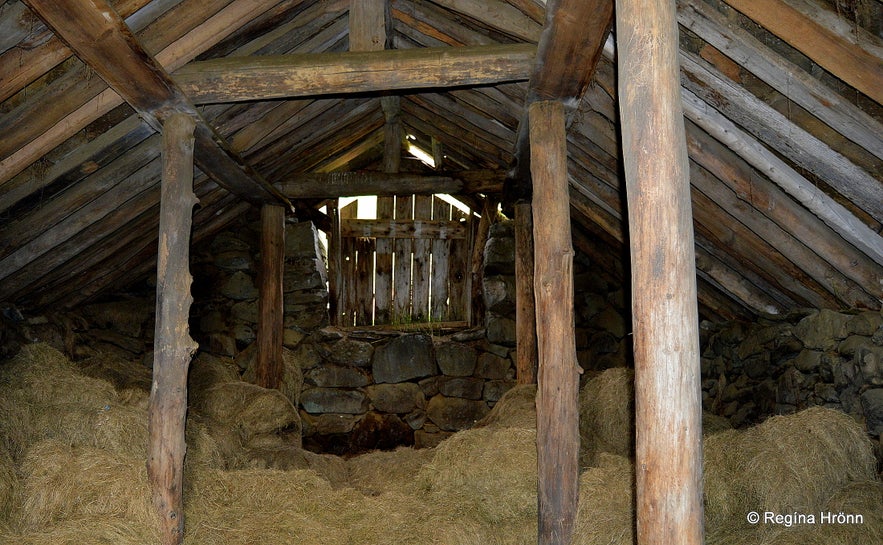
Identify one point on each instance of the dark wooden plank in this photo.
(668, 405)
(335, 266)
(364, 281)
(459, 271)
(173, 347)
(422, 251)
(402, 253)
(558, 373)
(268, 366)
(383, 266)
(441, 249)
(476, 261)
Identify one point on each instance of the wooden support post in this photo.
(664, 304)
(268, 370)
(173, 346)
(476, 270)
(525, 306)
(558, 378)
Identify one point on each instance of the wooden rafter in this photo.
(571, 43)
(98, 35)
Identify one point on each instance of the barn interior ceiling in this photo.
(782, 106)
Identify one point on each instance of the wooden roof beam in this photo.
(568, 51)
(353, 184)
(97, 34)
(236, 79)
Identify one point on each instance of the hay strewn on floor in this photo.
(81, 479)
(787, 464)
(606, 501)
(484, 473)
(387, 471)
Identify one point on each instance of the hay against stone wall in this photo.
(44, 396)
(249, 409)
(207, 371)
(515, 409)
(120, 372)
(292, 375)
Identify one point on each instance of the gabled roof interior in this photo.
(786, 156)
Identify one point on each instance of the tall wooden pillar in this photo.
(268, 370)
(558, 377)
(173, 347)
(525, 305)
(664, 306)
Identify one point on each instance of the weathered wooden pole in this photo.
(268, 370)
(558, 377)
(664, 305)
(173, 346)
(525, 305)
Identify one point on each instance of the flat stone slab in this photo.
(334, 400)
(405, 358)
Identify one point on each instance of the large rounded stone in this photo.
(404, 358)
(455, 359)
(454, 413)
(822, 330)
(352, 352)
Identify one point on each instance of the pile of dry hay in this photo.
(74, 484)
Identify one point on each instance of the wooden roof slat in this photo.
(784, 76)
(776, 170)
(499, 15)
(836, 53)
(22, 66)
(776, 131)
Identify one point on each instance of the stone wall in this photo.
(363, 389)
(788, 363)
